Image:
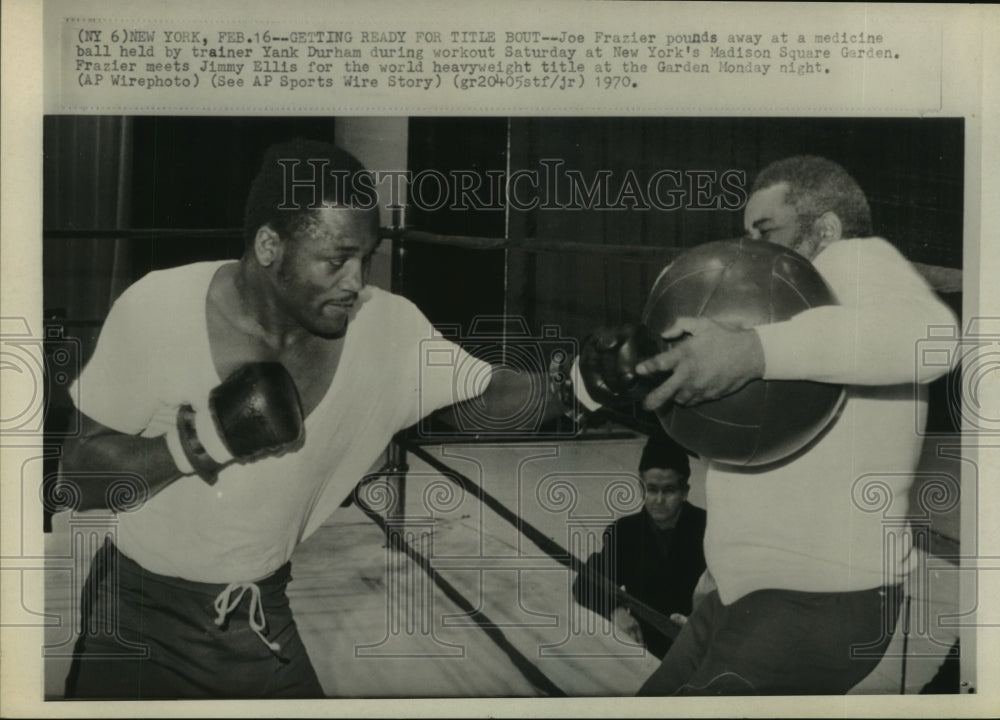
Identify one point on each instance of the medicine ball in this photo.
(747, 283)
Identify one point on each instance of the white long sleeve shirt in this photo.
(830, 520)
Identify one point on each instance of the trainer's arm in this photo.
(875, 336)
(872, 337)
(100, 457)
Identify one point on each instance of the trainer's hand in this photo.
(254, 413)
(711, 361)
(627, 625)
(608, 360)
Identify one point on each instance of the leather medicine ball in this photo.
(748, 283)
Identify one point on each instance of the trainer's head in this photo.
(665, 470)
(805, 203)
(310, 228)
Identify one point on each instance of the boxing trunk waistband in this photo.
(272, 585)
(225, 597)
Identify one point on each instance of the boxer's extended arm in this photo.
(513, 400)
(100, 457)
(603, 374)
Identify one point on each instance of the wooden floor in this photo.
(377, 626)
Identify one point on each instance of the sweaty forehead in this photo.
(342, 227)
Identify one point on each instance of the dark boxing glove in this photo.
(254, 413)
(607, 364)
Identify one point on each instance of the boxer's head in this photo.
(665, 470)
(311, 226)
(805, 203)
(299, 177)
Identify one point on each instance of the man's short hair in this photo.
(817, 185)
(282, 196)
(663, 453)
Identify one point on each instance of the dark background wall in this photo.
(193, 173)
(910, 169)
(149, 172)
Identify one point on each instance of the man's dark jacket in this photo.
(633, 555)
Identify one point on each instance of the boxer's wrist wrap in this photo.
(203, 463)
(176, 449)
(210, 436)
(580, 389)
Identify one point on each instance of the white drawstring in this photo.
(225, 604)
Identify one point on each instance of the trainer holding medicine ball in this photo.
(798, 550)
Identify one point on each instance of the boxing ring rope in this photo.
(942, 279)
(397, 467)
(526, 667)
(393, 469)
(623, 252)
(139, 233)
(553, 549)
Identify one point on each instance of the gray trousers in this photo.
(779, 642)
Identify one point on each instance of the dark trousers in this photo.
(779, 642)
(148, 636)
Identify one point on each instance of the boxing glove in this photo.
(607, 364)
(254, 413)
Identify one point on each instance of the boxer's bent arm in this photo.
(99, 450)
(511, 393)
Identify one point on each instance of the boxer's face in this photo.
(665, 493)
(768, 216)
(324, 266)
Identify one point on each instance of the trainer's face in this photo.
(665, 493)
(324, 266)
(768, 216)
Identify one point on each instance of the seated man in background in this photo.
(655, 554)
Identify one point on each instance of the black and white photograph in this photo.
(562, 459)
(666, 412)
